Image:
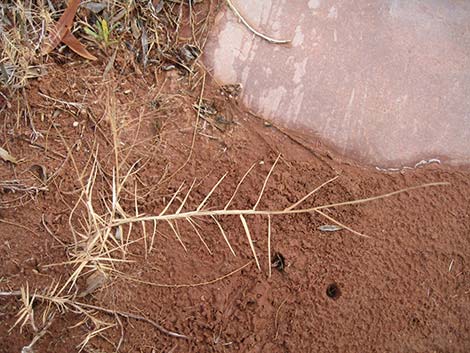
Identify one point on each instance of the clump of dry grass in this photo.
(55, 303)
(164, 34)
(22, 29)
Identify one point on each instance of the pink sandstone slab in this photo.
(385, 81)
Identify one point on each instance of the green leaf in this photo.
(92, 33)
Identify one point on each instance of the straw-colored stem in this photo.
(250, 241)
(177, 235)
(266, 182)
(254, 31)
(269, 246)
(238, 186)
(251, 212)
(211, 192)
(224, 235)
(311, 193)
(190, 221)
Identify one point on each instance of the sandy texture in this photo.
(404, 289)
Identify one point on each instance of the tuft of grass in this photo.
(22, 28)
(101, 32)
(149, 35)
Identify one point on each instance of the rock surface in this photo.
(386, 82)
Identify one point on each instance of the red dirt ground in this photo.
(404, 289)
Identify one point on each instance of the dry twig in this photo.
(254, 31)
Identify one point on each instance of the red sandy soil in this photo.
(404, 289)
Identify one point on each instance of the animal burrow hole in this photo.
(333, 291)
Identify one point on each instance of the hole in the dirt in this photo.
(278, 261)
(333, 291)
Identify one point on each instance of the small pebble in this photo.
(118, 233)
(329, 228)
(75, 124)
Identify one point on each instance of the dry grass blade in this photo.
(177, 235)
(250, 241)
(186, 197)
(196, 124)
(38, 336)
(190, 221)
(95, 333)
(383, 196)
(238, 185)
(311, 193)
(171, 200)
(224, 235)
(340, 224)
(266, 182)
(191, 285)
(144, 229)
(269, 246)
(210, 193)
(20, 226)
(153, 235)
(26, 313)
